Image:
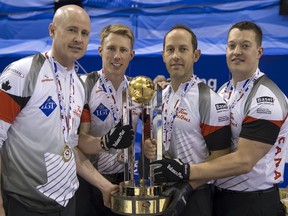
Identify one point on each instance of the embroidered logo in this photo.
(223, 118)
(265, 100)
(264, 111)
(183, 115)
(101, 112)
(6, 85)
(221, 106)
(15, 72)
(48, 106)
(77, 111)
(46, 78)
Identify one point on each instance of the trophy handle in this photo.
(158, 121)
(129, 158)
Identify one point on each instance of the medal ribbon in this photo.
(246, 86)
(107, 88)
(168, 119)
(67, 119)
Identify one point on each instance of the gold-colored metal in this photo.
(141, 89)
(139, 200)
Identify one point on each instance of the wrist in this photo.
(103, 143)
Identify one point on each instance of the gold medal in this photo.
(120, 157)
(167, 155)
(67, 153)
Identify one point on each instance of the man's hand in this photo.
(160, 81)
(150, 148)
(170, 170)
(179, 194)
(2, 211)
(107, 194)
(119, 137)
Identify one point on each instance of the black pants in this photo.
(89, 199)
(84, 199)
(258, 203)
(14, 208)
(200, 202)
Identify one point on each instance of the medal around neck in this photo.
(67, 153)
(140, 197)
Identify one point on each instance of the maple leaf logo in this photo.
(6, 85)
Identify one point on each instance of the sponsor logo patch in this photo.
(264, 111)
(101, 112)
(223, 118)
(14, 71)
(46, 78)
(48, 106)
(265, 100)
(221, 106)
(77, 111)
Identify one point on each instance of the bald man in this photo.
(42, 100)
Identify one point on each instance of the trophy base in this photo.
(142, 200)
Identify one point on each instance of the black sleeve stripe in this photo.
(260, 130)
(220, 139)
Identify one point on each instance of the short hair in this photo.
(180, 26)
(247, 25)
(117, 29)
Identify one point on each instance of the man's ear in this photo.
(51, 30)
(197, 54)
(132, 54)
(163, 57)
(100, 50)
(260, 52)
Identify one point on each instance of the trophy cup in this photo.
(141, 197)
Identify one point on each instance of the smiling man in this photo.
(104, 111)
(247, 177)
(195, 125)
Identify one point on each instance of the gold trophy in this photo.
(142, 197)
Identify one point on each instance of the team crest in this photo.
(48, 106)
(101, 112)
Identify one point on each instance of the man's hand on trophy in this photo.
(119, 137)
(179, 194)
(150, 148)
(107, 191)
(170, 170)
(161, 81)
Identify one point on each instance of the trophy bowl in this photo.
(139, 200)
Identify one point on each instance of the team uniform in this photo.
(195, 122)
(38, 161)
(104, 110)
(258, 112)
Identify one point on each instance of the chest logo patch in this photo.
(101, 112)
(48, 106)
